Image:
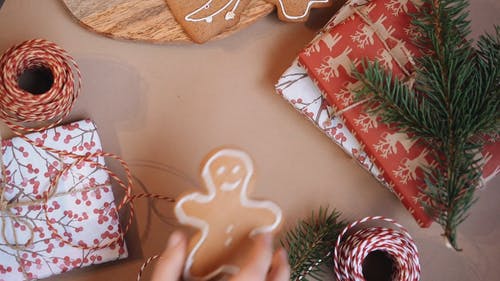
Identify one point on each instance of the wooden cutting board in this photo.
(147, 20)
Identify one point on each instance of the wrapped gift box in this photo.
(81, 209)
(379, 30)
(296, 87)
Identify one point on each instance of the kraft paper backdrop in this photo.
(163, 107)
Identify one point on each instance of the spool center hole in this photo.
(36, 80)
(378, 266)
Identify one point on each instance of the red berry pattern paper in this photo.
(82, 209)
(296, 87)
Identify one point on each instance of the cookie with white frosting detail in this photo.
(203, 19)
(225, 217)
(297, 10)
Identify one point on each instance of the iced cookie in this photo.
(226, 218)
(297, 10)
(203, 19)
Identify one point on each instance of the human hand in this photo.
(261, 264)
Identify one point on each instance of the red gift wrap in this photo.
(380, 31)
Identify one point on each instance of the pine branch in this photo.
(395, 102)
(310, 243)
(453, 103)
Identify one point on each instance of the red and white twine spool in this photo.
(19, 106)
(350, 252)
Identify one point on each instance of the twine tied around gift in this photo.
(22, 110)
(25, 112)
(7, 205)
(401, 56)
(5, 212)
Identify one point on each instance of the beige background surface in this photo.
(166, 106)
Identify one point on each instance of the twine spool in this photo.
(351, 252)
(17, 105)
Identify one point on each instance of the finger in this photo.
(258, 261)
(280, 268)
(171, 261)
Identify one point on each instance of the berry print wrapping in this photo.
(226, 218)
(81, 208)
(379, 30)
(296, 87)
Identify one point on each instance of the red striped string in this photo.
(24, 112)
(19, 106)
(144, 265)
(349, 253)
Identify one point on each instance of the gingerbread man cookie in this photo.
(297, 10)
(203, 19)
(226, 218)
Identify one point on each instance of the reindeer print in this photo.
(385, 58)
(314, 47)
(411, 31)
(407, 169)
(331, 65)
(345, 95)
(366, 10)
(397, 6)
(383, 32)
(388, 144)
(364, 36)
(344, 14)
(330, 41)
(366, 121)
(401, 53)
(327, 38)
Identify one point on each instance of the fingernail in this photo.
(175, 239)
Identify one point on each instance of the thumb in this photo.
(171, 261)
(258, 261)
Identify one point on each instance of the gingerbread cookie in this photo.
(226, 218)
(297, 10)
(203, 19)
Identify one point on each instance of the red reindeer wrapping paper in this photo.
(82, 208)
(379, 30)
(296, 87)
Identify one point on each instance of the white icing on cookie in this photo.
(228, 186)
(221, 170)
(204, 227)
(306, 11)
(228, 241)
(236, 169)
(208, 5)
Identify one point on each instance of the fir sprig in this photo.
(453, 102)
(311, 243)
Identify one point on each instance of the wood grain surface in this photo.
(147, 20)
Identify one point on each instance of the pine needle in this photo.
(454, 102)
(310, 244)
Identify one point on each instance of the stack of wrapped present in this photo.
(319, 85)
